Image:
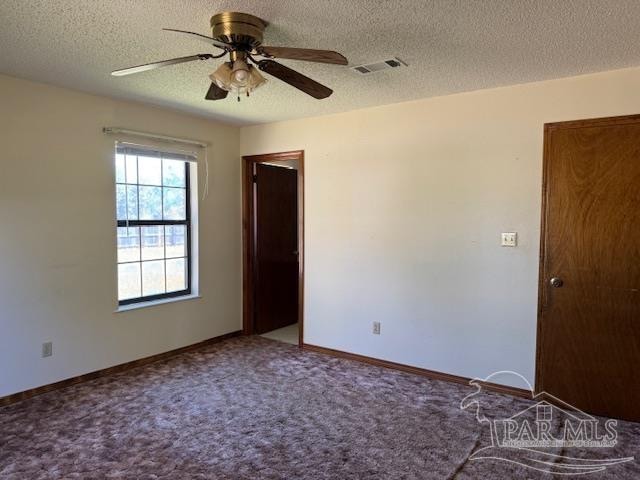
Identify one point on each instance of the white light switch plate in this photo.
(509, 239)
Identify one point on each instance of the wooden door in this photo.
(276, 245)
(589, 316)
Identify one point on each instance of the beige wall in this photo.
(57, 237)
(404, 209)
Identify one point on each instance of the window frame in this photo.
(187, 222)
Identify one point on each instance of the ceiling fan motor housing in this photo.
(239, 29)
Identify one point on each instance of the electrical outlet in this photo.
(47, 349)
(509, 239)
(376, 328)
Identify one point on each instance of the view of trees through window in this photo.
(152, 205)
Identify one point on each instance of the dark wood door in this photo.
(276, 244)
(589, 322)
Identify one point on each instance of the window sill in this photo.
(153, 303)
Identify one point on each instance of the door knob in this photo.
(556, 282)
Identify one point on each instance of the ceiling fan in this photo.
(240, 36)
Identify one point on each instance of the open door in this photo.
(589, 308)
(276, 247)
(273, 241)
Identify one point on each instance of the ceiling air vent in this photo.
(369, 68)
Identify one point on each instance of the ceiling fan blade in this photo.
(163, 63)
(215, 93)
(199, 36)
(295, 79)
(304, 54)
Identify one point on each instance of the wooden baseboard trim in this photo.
(494, 387)
(17, 397)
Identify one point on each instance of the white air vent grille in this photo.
(369, 68)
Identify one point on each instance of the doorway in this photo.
(273, 245)
(588, 346)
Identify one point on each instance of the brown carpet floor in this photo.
(252, 408)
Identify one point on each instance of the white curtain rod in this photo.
(164, 138)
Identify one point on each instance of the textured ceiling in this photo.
(451, 46)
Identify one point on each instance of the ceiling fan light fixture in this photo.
(255, 80)
(240, 80)
(240, 72)
(222, 76)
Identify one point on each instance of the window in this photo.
(154, 224)
(545, 413)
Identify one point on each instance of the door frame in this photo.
(546, 159)
(248, 236)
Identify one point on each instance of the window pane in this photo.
(174, 239)
(153, 278)
(149, 171)
(128, 281)
(120, 169)
(128, 244)
(121, 202)
(176, 275)
(173, 173)
(132, 168)
(175, 206)
(152, 242)
(150, 203)
(127, 196)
